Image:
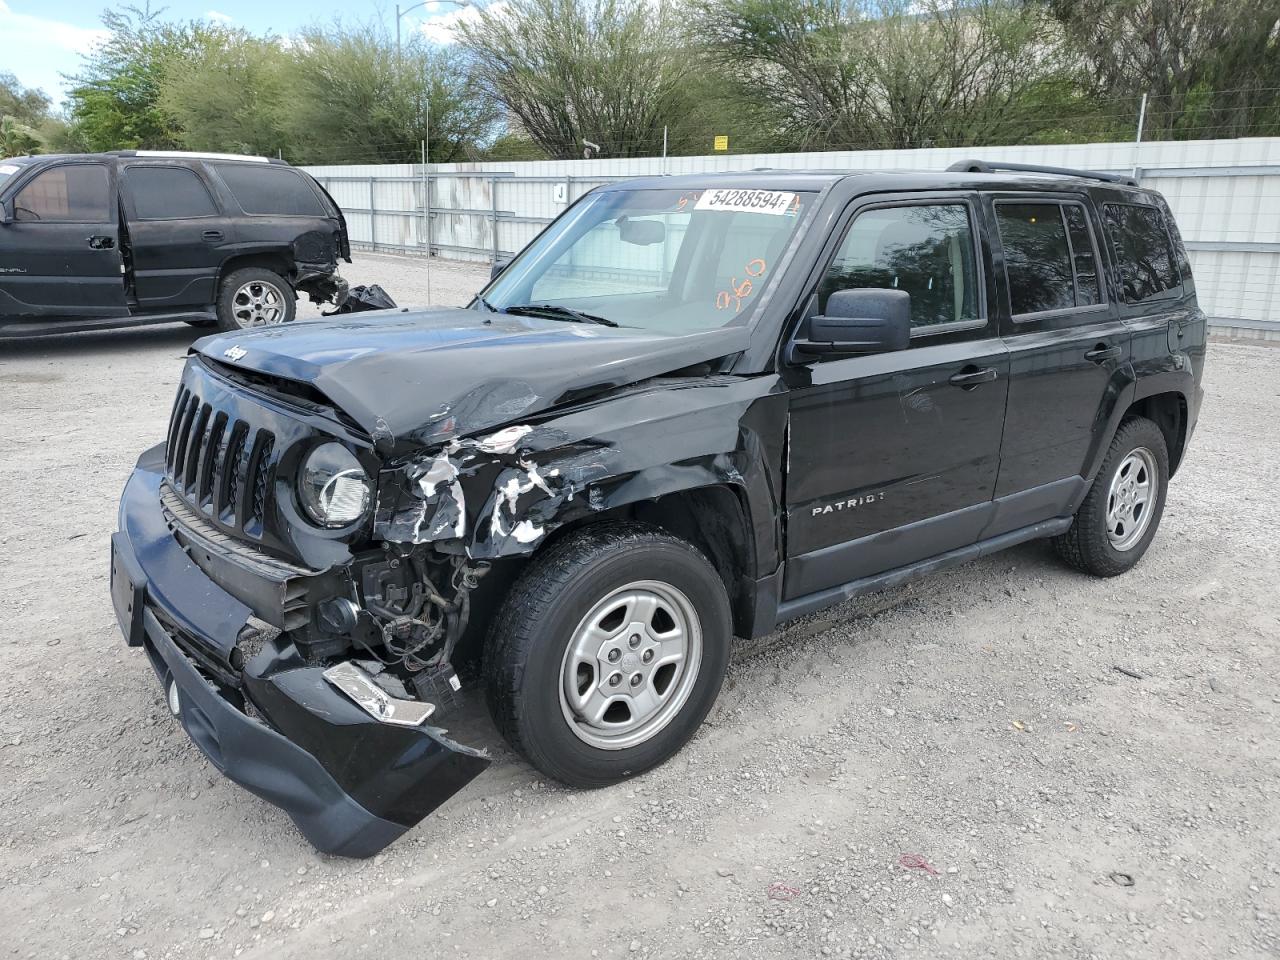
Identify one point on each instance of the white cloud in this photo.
(444, 19)
(217, 16)
(39, 49)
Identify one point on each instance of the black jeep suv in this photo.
(691, 409)
(137, 237)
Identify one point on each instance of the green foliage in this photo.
(230, 95)
(571, 71)
(24, 104)
(532, 79)
(115, 101)
(1211, 68)
(864, 73)
(352, 98)
(17, 139)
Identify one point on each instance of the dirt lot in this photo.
(977, 719)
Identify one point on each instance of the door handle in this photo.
(212, 236)
(972, 377)
(1101, 354)
(101, 243)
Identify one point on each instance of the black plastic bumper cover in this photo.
(350, 783)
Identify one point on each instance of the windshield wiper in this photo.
(557, 312)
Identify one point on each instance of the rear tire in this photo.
(253, 297)
(608, 653)
(1120, 515)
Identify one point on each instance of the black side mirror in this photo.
(6, 212)
(870, 320)
(498, 265)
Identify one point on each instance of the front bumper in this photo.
(351, 783)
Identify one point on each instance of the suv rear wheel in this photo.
(254, 297)
(1118, 519)
(608, 653)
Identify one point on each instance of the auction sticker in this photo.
(746, 201)
(7, 168)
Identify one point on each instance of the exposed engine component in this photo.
(418, 620)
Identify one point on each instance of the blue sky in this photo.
(40, 39)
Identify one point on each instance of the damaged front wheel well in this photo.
(713, 519)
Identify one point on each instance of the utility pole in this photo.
(1137, 140)
(664, 151)
(400, 13)
(426, 198)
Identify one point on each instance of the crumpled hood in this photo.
(426, 376)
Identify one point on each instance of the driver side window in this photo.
(71, 193)
(925, 249)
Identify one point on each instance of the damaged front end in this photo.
(315, 676)
(314, 662)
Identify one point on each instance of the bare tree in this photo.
(1211, 67)
(610, 72)
(902, 73)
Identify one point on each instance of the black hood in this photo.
(426, 376)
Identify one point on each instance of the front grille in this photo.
(219, 464)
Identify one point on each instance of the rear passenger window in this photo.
(168, 193)
(261, 188)
(1148, 263)
(925, 249)
(1037, 256)
(1050, 257)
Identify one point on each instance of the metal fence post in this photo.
(373, 216)
(493, 192)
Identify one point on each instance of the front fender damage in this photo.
(500, 494)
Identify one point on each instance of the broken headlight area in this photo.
(398, 613)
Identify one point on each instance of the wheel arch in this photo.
(1168, 410)
(714, 518)
(277, 261)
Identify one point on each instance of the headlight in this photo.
(332, 486)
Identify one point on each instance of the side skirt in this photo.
(44, 328)
(811, 603)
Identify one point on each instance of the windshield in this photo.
(670, 261)
(7, 170)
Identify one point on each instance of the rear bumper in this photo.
(351, 783)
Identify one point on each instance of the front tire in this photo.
(1118, 519)
(608, 653)
(253, 297)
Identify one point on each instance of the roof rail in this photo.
(986, 166)
(192, 155)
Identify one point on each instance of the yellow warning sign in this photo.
(722, 143)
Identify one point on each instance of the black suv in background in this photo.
(693, 408)
(139, 237)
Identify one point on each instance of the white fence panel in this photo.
(1224, 193)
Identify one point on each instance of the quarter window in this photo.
(261, 188)
(72, 193)
(1085, 261)
(168, 193)
(925, 249)
(1148, 264)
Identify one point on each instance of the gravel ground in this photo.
(977, 719)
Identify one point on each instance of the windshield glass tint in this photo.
(670, 261)
(7, 170)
